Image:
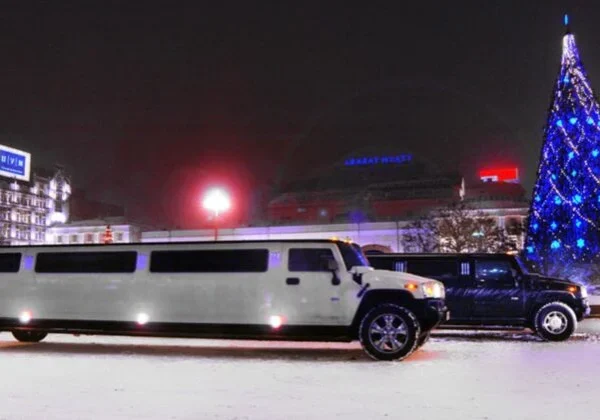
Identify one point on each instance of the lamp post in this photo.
(216, 200)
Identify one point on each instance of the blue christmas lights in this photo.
(564, 219)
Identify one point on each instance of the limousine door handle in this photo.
(292, 281)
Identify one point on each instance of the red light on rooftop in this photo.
(499, 175)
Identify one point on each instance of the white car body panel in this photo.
(182, 298)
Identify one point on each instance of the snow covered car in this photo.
(311, 290)
(497, 290)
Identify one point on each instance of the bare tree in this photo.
(421, 235)
(457, 228)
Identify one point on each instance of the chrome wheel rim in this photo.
(388, 333)
(555, 322)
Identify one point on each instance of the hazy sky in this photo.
(147, 102)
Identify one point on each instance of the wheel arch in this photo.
(544, 299)
(376, 297)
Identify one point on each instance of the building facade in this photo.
(93, 231)
(371, 236)
(28, 208)
(365, 189)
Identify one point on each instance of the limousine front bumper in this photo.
(582, 309)
(431, 313)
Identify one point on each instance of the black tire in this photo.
(386, 345)
(424, 338)
(555, 321)
(29, 336)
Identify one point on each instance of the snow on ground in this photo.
(457, 375)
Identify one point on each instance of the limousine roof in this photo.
(439, 255)
(133, 244)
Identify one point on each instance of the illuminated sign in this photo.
(500, 175)
(378, 160)
(14, 163)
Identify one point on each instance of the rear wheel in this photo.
(389, 332)
(555, 321)
(29, 336)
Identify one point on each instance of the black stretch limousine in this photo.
(497, 290)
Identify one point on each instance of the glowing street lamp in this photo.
(216, 201)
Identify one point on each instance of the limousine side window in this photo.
(309, 259)
(86, 262)
(10, 262)
(494, 273)
(210, 261)
(443, 270)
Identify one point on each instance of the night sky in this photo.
(146, 102)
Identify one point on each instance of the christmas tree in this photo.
(564, 219)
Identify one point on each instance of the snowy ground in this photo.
(457, 375)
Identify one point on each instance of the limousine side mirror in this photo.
(516, 277)
(333, 266)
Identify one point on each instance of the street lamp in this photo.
(216, 200)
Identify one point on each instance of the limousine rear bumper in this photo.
(431, 313)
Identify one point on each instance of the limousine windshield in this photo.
(523, 266)
(353, 255)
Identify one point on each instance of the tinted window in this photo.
(86, 262)
(352, 255)
(309, 259)
(210, 261)
(435, 269)
(494, 272)
(9, 263)
(382, 263)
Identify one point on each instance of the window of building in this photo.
(74, 239)
(119, 237)
(309, 259)
(89, 238)
(210, 261)
(86, 262)
(10, 262)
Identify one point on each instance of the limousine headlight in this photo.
(434, 289)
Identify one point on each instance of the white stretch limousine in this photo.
(310, 290)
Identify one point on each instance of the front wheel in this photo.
(389, 332)
(29, 336)
(555, 321)
(424, 338)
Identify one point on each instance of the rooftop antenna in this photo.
(566, 22)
